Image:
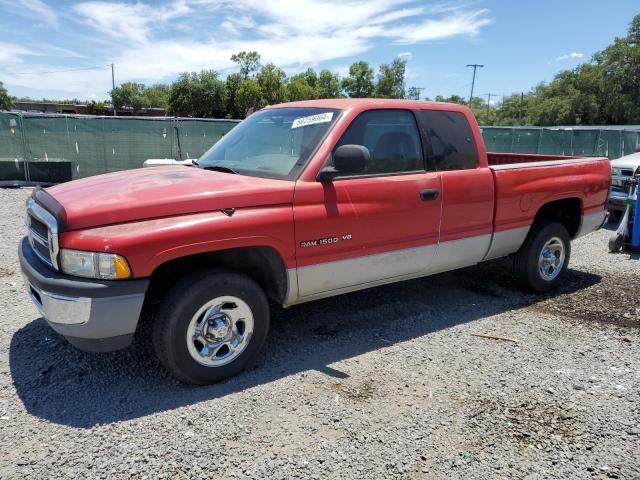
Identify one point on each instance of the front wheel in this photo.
(211, 326)
(542, 260)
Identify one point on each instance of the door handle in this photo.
(429, 194)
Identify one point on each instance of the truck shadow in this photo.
(60, 384)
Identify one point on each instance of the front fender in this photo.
(150, 243)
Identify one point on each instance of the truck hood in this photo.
(628, 161)
(143, 194)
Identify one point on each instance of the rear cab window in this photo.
(449, 141)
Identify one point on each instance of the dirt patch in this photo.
(361, 392)
(528, 421)
(614, 300)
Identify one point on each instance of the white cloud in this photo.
(35, 9)
(567, 56)
(128, 22)
(235, 25)
(12, 53)
(405, 55)
(459, 23)
(146, 41)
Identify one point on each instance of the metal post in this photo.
(473, 81)
(27, 174)
(521, 107)
(488, 105)
(113, 87)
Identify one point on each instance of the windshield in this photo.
(274, 143)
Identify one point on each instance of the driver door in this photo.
(382, 224)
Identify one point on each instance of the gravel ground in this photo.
(385, 383)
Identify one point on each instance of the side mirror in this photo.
(347, 159)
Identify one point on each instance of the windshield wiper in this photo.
(219, 168)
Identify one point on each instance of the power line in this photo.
(61, 71)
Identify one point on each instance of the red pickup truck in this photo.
(298, 202)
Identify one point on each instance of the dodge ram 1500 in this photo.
(298, 202)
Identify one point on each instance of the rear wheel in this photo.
(541, 262)
(211, 326)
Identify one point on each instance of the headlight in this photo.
(616, 171)
(107, 266)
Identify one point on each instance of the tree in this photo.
(328, 85)
(249, 62)
(603, 91)
(156, 96)
(514, 109)
(311, 77)
(620, 76)
(128, 94)
(96, 108)
(6, 102)
(359, 83)
(271, 80)
(248, 96)
(451, 99)
(298, 88)
(198, 95)
(391, 79)
(413, 93)
(232, 84)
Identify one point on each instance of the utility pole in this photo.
(113, 87)
(473, 82)
(419, 89)
(521, 107)
(489, 95)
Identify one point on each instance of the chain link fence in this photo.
(37, 148)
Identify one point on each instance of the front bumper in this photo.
(93, 315)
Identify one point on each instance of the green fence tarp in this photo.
(55, 148)
(584, 141)
(12, 164)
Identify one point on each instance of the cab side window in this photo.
(449, 140)
(392, 138)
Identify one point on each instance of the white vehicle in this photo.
(160, 162)
(622, 169)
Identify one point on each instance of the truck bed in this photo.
(524, 182)
(500, 158)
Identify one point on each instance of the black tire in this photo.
(179, 306)
(526, 261)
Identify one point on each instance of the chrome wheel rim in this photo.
(551, 259)
(220, 331)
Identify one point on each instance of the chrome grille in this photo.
(42, 231)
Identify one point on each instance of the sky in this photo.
(63, 49)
